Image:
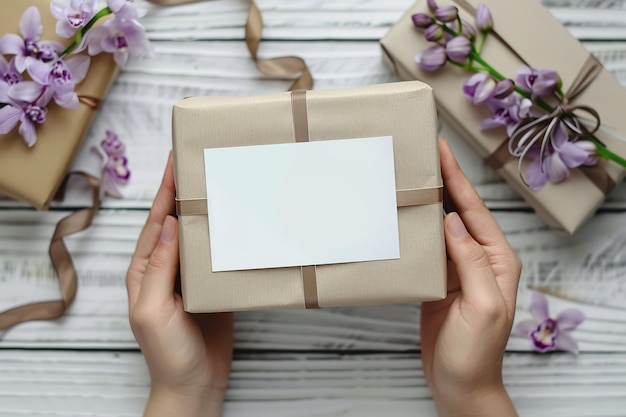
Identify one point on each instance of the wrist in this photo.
(482, 402)
(185, 401)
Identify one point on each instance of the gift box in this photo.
(34, 174)
(209, 132)
(524, 33)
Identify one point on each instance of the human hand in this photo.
(464, 336)
(188, 356)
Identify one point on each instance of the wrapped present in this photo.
(210, 135)
(524, 34)
(34, 174)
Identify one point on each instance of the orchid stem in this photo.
(606, 154)
(79, 35)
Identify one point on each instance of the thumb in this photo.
(162, 269)
(470, 259)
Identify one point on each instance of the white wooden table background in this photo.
(333, 362)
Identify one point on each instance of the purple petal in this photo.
(11, 44)
(566, 342)
(539, 306)
(458, 48)
(492, 123)
(78, 67)
(67, 98)
(535, 177)
(573, 155)
(27, 91)
(120, 58)
(470, 86)
(570, 318)
(523, 328)
(95, 38)
(116, 5)
(9, 116)
(39, 71)
(64, 30)
(30, 25)
(57, 10)
(484, 20)
(431, 59)
(27, 130)
(21, 62)
(555, 168)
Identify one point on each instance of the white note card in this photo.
(295, 204)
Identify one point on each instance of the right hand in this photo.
(465, 335)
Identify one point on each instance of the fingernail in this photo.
(455, 225)
(169, 229)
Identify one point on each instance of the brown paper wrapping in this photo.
(542, 42)
(34, 174)
(406, 111)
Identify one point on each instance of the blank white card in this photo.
(296, 204)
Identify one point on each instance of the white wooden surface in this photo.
(335, 362)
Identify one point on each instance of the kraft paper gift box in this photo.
(34, 174)
(527, 33)
(403, 111)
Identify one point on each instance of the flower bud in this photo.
(458, 48)
(468, 30)
(484, 21)
(432, 58)
(446, 13)
(433, 33)
(421, 20)
(432, 6)
(503, 89)
(479, 87)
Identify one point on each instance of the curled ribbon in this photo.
(542, 129)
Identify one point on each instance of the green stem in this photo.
(483, 38)
(606, 154)
(79, 34)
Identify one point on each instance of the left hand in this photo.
(188, 356)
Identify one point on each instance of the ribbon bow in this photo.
(542, 129)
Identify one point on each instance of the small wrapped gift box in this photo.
(525, 33)
(34, 174)
(306, 144)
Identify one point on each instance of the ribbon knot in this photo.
(541, 130)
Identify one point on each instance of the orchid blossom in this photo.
(548, 333)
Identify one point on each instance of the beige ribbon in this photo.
(282, 67)
(62, 263)
(564, 111)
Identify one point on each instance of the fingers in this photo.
(478, 218)
(164, 204)
(158, 283)
(472, 264)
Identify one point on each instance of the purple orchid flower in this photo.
(546, 333)
(8, 72)
(73, 17)
(121, 37)
(539, 83)
(431, 59)
(479, 87)
(29, 48)
(114, 165)
(61, 76)
(27, 103)
(560, 156)
(507, 112)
